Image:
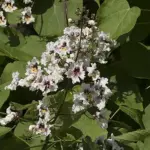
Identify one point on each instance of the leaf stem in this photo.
(66, 13)
(59, 110)
(115, 113)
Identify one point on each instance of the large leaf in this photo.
(6, 78)
(22, 132)
(34, 46)
(4, 130)
(12, 142)
(116, 17)
(146, 116)
(14, 53)
(134, 136)
(10, 68)
(52, 21)
(15, 17)
(135, 58)
(90, 127)
(146, 145)
(125, 90)
(134, 114)
(4, 94)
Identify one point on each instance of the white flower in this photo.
(32, 127)
(23, 83)
(8, 6)
(92, 72)
(87, 32)
(32, 67)
(62, 45)
(76, 72)
(114, 144)
(72, 31)
(100, 104)
(55, 72)
(92, 22)
(44, 112)
(2, 19)
(80, 102)
(47, 85)
(27, 1)
(14, 83)
(9, 117)
(27, 16)
(70, 20)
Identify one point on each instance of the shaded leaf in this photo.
(4, 130)
(134, 136)
(134, 114)
(135, 58)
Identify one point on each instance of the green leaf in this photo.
(98, 2)
(4, 130)
(23, 133)
(3, 36)
(89, 145)
(125, 90)
(119, 14)
(146, 145)
(134, 114)
(15, 17)
(146, 116)
(4, 94)
(140, 145)
(19, 107)
(34, 46)
(90, 127)
(52, 21)
(134, 136)
(14, 53)
(13, 67)
(6, 78)
(135, 59)
(12, 142)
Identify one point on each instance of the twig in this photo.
(65, 13)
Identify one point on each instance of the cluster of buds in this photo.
(9, 117)
(9, 6)
(42, 127)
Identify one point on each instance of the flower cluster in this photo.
(9, 7)
(95, 94)
(72, 57)
(9, 117)
(42, 127)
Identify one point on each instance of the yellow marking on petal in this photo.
(44, 110)
(34, 70)
(9, 6)
(63, 48)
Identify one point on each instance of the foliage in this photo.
(127, 111)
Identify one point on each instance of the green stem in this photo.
(115, 113)
(59, 110)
